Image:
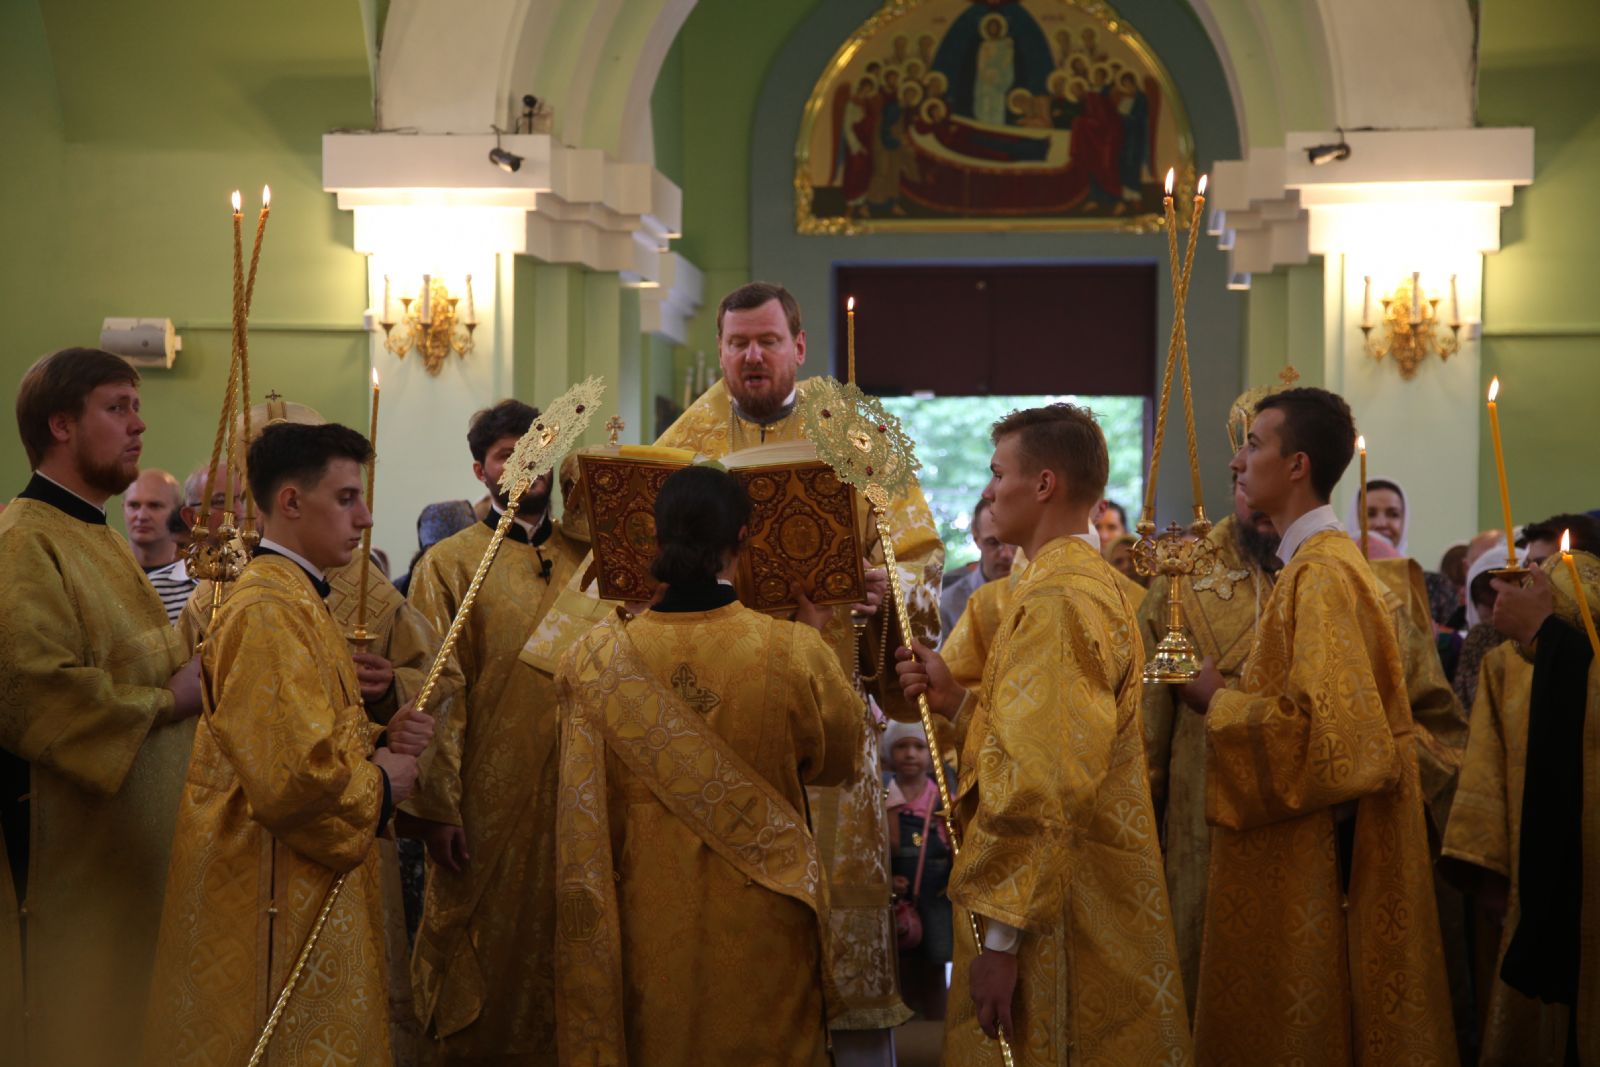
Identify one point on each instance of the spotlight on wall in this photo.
(1321, 155)
(509, 162)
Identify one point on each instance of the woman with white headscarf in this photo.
(1481, 636)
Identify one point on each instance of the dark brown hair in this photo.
(1319, 424)
(753, 295)
(299, 453)
(1067, 439)
(699, 513)
(509, 418)
(60, 383)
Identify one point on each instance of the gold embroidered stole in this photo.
(714, 792)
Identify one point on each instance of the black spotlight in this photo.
(1323, 154)
(509, 162)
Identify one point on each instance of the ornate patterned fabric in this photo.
(85, 654)
(1293, 969)
(280, 798)
(1059, 835)
(692, 894)
(482, 967)
(1486, 831)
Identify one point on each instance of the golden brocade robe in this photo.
(280, 799)
(1293, 969)
(1058, 833)
(85, 655)
(850, 822)
(403, 636)
(1485, 831)
(692, 894)
(482, 967)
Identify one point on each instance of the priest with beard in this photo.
(97, 706)
(483, 968)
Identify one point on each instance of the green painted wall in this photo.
(129, 126)
(1541, 326)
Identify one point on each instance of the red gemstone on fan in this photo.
(883, 429)
(869, 470)
(827, 414)
(579, 409)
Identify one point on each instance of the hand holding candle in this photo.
(1577, 591)
(1500, 469)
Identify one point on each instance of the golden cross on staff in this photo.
(869, 450)
(549, 438)
(615, 426)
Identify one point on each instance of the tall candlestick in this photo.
(472, 305)
(366, 535)
(1577, 589)
(1416, 297)
(1183, 346)
(1366, 301)
(388, 304)
(427, 299)
(244, 357)
(1455, 303)
(1149, 512)
(850, 336)
(1500, 469)
(1361, 446)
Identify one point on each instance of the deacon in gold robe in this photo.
(482, 967)
(1058, 855)
(692, 896)
(762, 346)
(1322, 936)
(284, 795)
(97, 699)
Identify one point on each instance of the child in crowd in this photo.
(919, 855)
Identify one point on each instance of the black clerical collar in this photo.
(517, 533)
(64, 500)
(321, 584)
(696, 596)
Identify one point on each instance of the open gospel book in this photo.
(802, 522)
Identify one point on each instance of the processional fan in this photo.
(1178, 554)
(218, 556)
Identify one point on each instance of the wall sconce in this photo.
(1410, 321)
(429, 323)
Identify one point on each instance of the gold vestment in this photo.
(1059, 837)
(849, 821)
(692, 896)
(85, 655)
(482, 967)
(280, 798)
(1293, 969)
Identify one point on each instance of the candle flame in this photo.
(1170, 174)
(374, 378)
(266, 197)
(850, 305)
(1202, 190)
(1361, 443)
(237, 202)
(1566, 541)
(1494, 388)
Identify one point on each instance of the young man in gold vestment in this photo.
(285, 792)
(1058, 838)
(762, 346)
(97, 699)
(1322, 938)
(692, 896)
(484, 958)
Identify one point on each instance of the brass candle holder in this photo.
(432, 325)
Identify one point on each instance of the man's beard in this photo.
(763, 407)
(109, 478)
(1259, 549)
(533, 503)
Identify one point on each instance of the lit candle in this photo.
(244, 357)
(1500, 469)
(1171, 217)
(1361, 446)
(1366, 301)
(388, 304)
(1455, 304)
(1416, 297)
(472, 306)
(427, 299)
(1577, 589)
(850, 335)
(255, 251)
(366, 535)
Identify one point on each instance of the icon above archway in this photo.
(990, 115)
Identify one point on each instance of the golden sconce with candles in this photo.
(1179, 553)
(218, 554)
(433, 322)
(1410, 325)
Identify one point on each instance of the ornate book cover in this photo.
(803, 524)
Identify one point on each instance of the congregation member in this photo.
(152, 508)
(994, 561)
(1110, 521)
(692, 899)
(97, 699)
(288, 789)
(1059, 852)
(1313, 792)
(919, 859)
(482, 967)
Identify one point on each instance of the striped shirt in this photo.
(174, 585)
